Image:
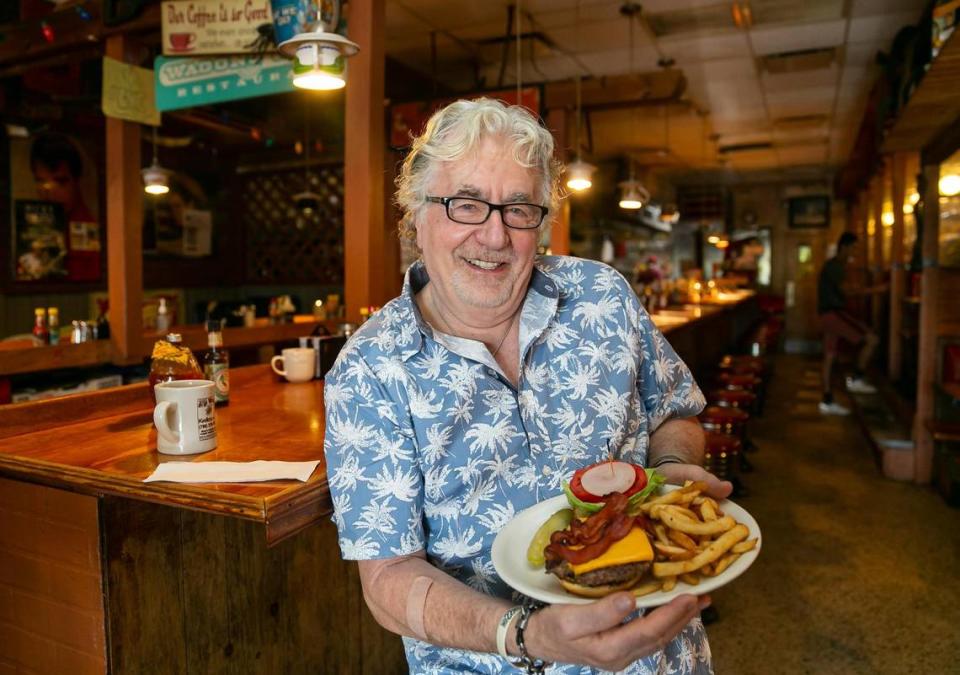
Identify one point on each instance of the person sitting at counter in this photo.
(471, 396)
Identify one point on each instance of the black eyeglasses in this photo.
(469, 211)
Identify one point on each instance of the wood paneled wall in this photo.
(51, 604)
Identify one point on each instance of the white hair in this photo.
(458, 129)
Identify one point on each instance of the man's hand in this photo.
(595, 635)
(676, 474)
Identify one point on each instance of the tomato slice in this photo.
(576, 486)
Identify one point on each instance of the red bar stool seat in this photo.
(746, 381)
(724, 419)
(733, 398)
(721, 454)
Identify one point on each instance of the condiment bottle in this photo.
(53, 325)
(172, 360)
(163, 317)
(40, 331)
(216, 363)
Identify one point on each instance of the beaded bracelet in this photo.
(531, 665)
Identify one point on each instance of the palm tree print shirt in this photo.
(430, 447)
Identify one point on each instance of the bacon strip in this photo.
(593, 536)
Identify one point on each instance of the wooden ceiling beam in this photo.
(24, 41)
(652, 88)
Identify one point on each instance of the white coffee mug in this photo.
(298, 364)
(185, 417)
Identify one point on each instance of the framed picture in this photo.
(54, 195)
(809, 211)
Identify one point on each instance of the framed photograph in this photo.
(53, 209)
(809, 212)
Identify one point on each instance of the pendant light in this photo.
(580, 173)
(319, 55)
(307, 202)
(632, 193)
(156, 179)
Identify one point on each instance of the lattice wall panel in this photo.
(284, 244)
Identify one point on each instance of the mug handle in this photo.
(273, 364)
(160, 421)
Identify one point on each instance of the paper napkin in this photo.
(231, 472)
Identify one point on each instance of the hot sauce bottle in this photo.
(40, 326)
(216, 363)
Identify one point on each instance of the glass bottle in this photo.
(53, 325)
(40, 331)
(172, 360)
(216, 363)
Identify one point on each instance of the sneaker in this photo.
(833, 409)
(858, 385)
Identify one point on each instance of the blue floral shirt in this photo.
(430, 447)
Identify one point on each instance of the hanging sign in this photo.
(186, 82)
(128, 93)
(215, 26)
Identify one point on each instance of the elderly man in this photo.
(478, 391)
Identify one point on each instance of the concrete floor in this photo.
(858, 573)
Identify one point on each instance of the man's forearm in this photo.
(451, 614)
(681, 438)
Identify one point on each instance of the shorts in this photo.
(837, 325)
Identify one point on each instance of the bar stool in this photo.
(733, 397)
(731, 421)
(750, 381)
(720, 455)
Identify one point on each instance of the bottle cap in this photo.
(38, 310)
(53, 310)
(174, 337)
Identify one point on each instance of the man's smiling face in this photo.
(488, 266)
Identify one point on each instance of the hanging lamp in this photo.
(308, 201)
(156, 179)
(579, 173)
(319, 54)
(633, 195)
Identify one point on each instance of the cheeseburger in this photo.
(605, 548)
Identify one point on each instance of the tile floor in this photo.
(858, 573)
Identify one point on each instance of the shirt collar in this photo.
(541, 284)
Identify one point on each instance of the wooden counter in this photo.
(168, 577)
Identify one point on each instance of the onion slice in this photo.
(607, 477)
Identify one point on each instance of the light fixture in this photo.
(949, 185)
(914, 197)
(887, 218)
(307, 202)
(580, 175)
(319, 59)
(713, 239)
(156, 179)
(722, 244)
(632, 194)
(907, 209)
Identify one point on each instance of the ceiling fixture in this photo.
(307, 202)
(319, 54)
(632, 193)
(580, 173)
(156, 179)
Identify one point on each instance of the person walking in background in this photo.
(837, 324)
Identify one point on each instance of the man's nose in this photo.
(493, 233)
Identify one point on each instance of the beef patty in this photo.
(605, 576)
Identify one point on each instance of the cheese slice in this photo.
(635, 547)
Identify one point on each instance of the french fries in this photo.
(692, 538)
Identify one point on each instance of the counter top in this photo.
(675, 317)
(104, 443)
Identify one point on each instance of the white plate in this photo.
(510, 558)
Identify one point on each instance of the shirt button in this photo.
(491, 372)
(547, 471)
(548, 287)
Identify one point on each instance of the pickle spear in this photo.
(558, 521)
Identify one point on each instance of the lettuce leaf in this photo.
(654, 481)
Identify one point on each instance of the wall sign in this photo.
(128, 93)
(214, 26)
(186, 82)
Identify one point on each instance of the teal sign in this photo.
(190, 81)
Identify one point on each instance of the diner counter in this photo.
(103, 573)
(104, 443)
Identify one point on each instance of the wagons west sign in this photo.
(215, 26)
(185, 82)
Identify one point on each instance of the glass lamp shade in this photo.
(156, 179)
(633, 195)
(580, 175)
(319, 59)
